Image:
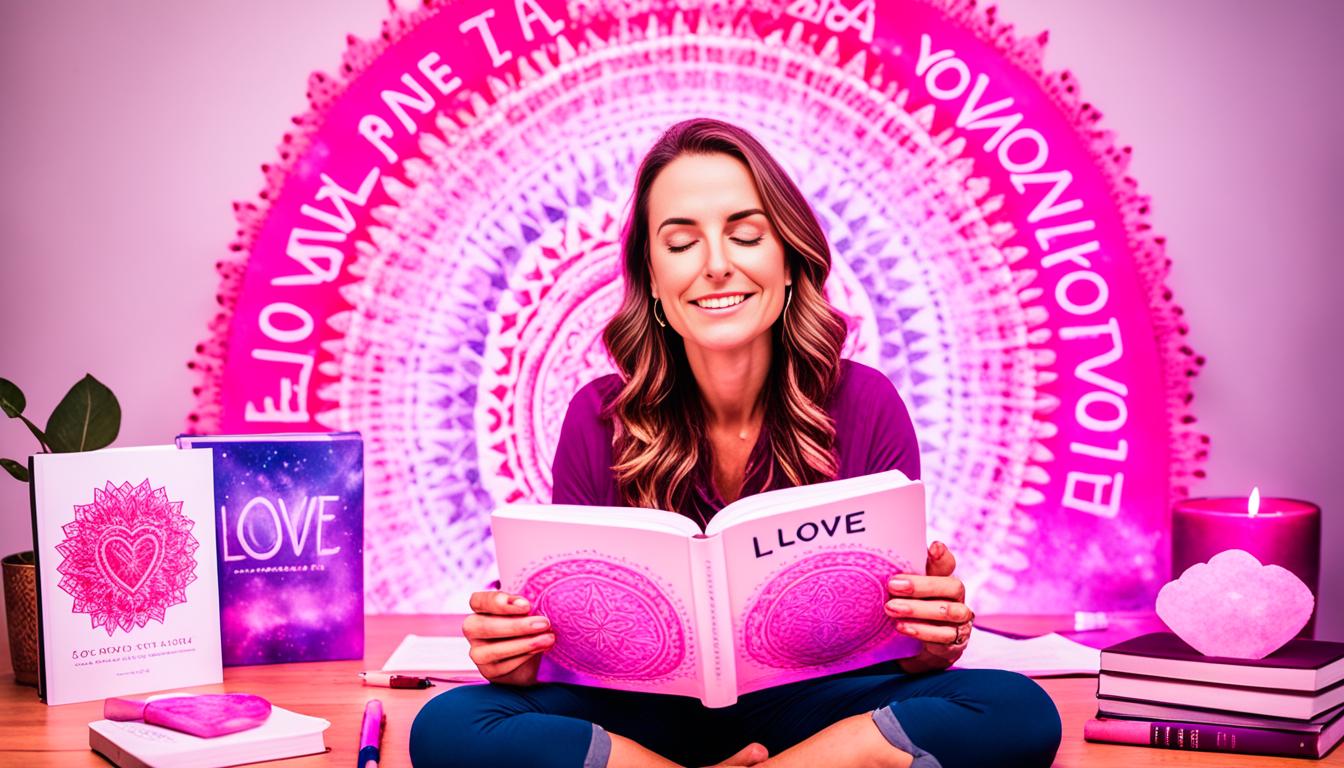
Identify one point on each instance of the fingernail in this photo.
(900, 585)
(902, 608)
(936, 550)
(908, 629)
(540, 623)
(521, 602)
(542, 641)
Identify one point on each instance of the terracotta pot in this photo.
(21, 615)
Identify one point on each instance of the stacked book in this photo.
(1157, 691)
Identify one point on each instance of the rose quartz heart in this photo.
(1233, 606)
(206, 715)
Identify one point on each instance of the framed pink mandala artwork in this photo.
(435, 254)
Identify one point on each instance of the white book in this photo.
(133, 744)
(781, 586)
(128, 596)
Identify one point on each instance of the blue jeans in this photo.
(962, 718)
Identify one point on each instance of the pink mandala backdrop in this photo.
(432, 261)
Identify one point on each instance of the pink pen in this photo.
(371, 734)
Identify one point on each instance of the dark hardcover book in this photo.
(1301, 665)
(1205, 737)
(1268, 702)
(290, 525)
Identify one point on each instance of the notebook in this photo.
(1051, 655)
(137, 745)
(442, 657)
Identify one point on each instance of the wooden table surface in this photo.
(37, 735)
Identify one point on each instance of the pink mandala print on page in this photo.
(821, 609)
(128, 556)
(609, 620)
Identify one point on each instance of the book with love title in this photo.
(781, 586)
(290, 524)
(127, 600)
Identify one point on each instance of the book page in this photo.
(618, 591)
(429, 654)
(799, 496)
(1045, 656)
(626, 517)
(807, 585)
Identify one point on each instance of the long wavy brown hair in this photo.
(658, 414)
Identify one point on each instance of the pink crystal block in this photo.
(206, 715)
(1233, 606)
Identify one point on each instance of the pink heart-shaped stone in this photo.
(1235, 607)
(206, 715)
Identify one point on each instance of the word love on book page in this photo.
(781, 586)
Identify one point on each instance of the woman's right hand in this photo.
(506, 643)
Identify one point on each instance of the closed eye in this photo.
(681, 248)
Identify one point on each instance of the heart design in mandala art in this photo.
(130, 557)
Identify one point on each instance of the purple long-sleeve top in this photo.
(873, 433)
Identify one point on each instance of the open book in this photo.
(781, 586)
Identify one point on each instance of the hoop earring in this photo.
(661, 323)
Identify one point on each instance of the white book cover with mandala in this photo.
(128, 595)
(780, 586)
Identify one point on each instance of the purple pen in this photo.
(371, 734)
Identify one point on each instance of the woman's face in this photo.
(716, 261)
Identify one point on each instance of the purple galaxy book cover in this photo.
(289, 515)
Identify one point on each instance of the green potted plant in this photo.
(86, 419)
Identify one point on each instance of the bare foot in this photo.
(751, 754)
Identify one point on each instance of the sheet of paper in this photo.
(428, 654)
(1045, 656)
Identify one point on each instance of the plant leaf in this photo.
(16, 469)
(11, 398)
(86, 419)
(41, 438)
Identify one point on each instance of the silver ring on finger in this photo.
(963, 634)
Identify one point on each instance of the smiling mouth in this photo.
(722, 302)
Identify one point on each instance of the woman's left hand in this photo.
(933, 609)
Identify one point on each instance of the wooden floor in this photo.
(33, 734)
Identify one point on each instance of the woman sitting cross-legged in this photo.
(731, 383)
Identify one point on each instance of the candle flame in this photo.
(1253, 505)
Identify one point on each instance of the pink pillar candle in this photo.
(1284, 532)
